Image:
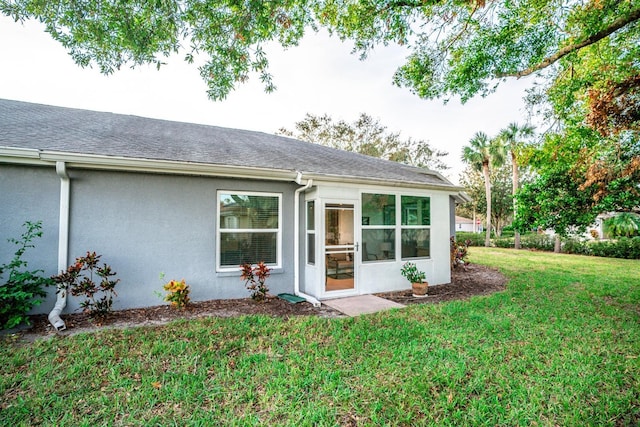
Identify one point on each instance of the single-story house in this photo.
(194, 201)
(465, 225)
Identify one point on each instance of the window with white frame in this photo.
(415, 226)
(249, 229)
(311, 232)
(378, 227)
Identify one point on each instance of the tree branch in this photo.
(615, 26)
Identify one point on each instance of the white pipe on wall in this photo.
(63, 244)
(296, 242)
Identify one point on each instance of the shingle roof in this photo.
(67, 130)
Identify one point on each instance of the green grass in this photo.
(559, 347)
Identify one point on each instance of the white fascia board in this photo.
(320, 178)
(166, 166)
(29, 156)
(92, 161)
(463, 197)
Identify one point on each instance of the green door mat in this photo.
(291, 298)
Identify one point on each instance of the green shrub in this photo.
(540, 242)
(19, 291)
(624, 247)
(507, 231)
(475, 239)
(504, 242)
(576, 246)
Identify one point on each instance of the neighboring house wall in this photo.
(465, 227)
(144, 225)
(464, 224)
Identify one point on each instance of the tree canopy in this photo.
(367, 135)
(585, 55)
(457, 47)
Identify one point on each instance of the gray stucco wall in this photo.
(30, 194)
(145, 224)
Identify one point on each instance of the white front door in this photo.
(340, 249)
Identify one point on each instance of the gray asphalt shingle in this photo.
(49, 128)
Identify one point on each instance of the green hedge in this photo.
(624, 247)
(475, 239)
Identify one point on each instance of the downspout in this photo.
(296, 241)
(63, 244)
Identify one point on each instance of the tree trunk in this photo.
(515, 178)
(487, 189)
(556, 246)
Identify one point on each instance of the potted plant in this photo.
(417, 278)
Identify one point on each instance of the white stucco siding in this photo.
(383, 275)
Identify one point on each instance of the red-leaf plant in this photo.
(255, 278)
(78, 279)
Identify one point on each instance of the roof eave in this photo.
(128, 164)
(318, 177)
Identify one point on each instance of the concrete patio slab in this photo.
(361, 304)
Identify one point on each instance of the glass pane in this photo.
(311, 218)
(339, 225)
(416, 210)
(378, 244)
(240, 248)
(240, 211)
(311, 248)
(415, 243)
(378, 209)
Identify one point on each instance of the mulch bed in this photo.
(475, 280)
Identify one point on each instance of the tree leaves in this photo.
(366, 135)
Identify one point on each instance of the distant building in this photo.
(466, 224)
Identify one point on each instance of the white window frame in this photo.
(393, 227)
(402, 227)
(309, 232)
(220, 231)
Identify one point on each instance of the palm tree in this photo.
(512, 136)
(483, 153)
(623, 224)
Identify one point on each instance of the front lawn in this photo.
(559, 347)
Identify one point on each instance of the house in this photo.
(195, 201)
(466, 225)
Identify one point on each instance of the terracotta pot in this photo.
(420, 289)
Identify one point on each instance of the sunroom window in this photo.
(249, 229)
(311, 232)
(415, 227)
(378, 227)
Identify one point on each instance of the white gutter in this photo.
(296, 241)
(63, 244)
(349, 179)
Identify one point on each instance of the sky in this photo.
(320, 76)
